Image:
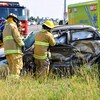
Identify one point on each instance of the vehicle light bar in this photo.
(9, 3)
(93, 7)
(3, 4)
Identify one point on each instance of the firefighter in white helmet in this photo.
(13, 45)
(43, 40)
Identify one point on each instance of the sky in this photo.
(47, 8)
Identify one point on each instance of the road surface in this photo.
(34, 28)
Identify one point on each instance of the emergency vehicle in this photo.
(84, 13)
(14, 7)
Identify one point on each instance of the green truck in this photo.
(87, 13)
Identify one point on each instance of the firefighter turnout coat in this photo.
(43, 40)
(11, 38)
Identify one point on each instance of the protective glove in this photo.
(49, 54)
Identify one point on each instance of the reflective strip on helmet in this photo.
(12, 51)
(42, 43)
(40, 57)
(8, 38)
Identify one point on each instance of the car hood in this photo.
(87, 50)
(87, 46)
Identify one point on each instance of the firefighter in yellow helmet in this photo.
(43, 40)
(13, 45)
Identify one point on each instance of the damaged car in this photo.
(76, 45)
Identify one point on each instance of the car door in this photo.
(61, 53)
(62, 48)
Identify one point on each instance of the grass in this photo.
(82, 86)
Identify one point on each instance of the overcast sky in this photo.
(47, 8)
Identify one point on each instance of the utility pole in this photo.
(65, 13)
(64, 5)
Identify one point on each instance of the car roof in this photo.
(63, 27)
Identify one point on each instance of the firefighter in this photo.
(43, 40)
(13, 46)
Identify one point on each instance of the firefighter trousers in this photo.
(42, 68)
(15, 63)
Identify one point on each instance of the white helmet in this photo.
(13, 16)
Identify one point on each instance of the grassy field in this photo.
(84, 85)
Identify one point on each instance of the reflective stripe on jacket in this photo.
(12, 39)
(40, 57)
(43, 40)
(42, 43)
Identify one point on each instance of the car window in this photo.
(61, 40)
(55, 33)
(60, 36)
(77, 35)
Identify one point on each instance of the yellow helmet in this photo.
(49, 24)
